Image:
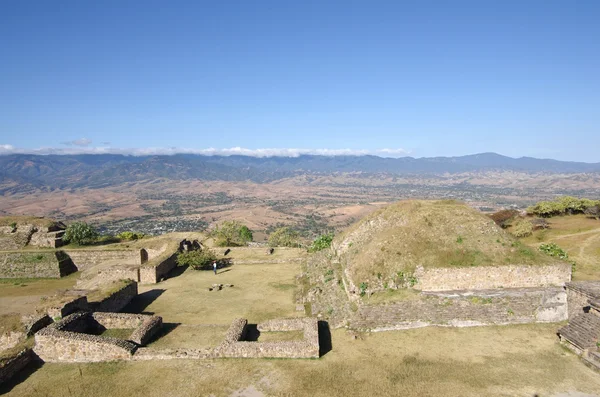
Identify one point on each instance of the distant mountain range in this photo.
(102, 170)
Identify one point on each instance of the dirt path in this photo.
(585, 245)
(576, 234)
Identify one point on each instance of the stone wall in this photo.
(63, 305)
(147, 330)
(65, 341)
(69, 340)
(35, 264)
(234, 346)
(35, 322)
(57, 346)
(47, 239)
(145, 326)
(152, 273)
(115, 273)
(86, 258)
(579, 293)
(466, 308)
(116, 300)
(490, 277)
(11, 366)
(15, 238)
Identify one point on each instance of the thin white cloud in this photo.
(82, 142)
(82, 148)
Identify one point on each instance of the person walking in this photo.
(215, 267)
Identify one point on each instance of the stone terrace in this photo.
(466, 308)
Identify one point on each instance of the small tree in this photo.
(198, 259)
(284, 237)
(321, 242)
(232, 234)
(80, 233)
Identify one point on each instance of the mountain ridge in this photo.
(101, 170)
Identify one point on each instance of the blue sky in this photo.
(428, 78)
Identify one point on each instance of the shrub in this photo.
(321, 242)
(554, 250)
(284, 237)
(232, 234)
(557, 252)
(197, 260)
(80, 233)
(522, 229)
(503, 218)
(130, 235)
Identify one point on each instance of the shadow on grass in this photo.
(177, 271)
(325, 345)
(166, 329)
(21, 376)
(252, 333)
(142, 301)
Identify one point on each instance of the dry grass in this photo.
(256, 295)
(106, 290)
(281, 336)
(10, 322)
(24, 295)
(488, 361)
(184, 336)
(11, 287)
(580, 237)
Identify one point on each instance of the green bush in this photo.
(80, 233)
(232, 234)
(554, 250)
(284, 237)
(523, 228)
(130, 236)
(321, 242)
(560, 206)
(197, 260)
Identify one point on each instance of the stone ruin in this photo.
(235, 345)
(219, 287)
(76, 337)
(20, 235)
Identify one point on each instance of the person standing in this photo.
(215, 267)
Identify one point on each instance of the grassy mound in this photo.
(390, 243)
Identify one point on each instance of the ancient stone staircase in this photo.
(582, 333)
